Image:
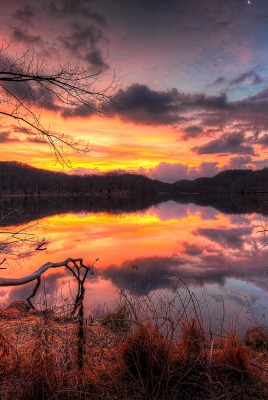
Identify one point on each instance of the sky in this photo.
(193, 75)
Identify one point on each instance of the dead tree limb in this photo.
(75, 265)
(78, 262)
(38, 283)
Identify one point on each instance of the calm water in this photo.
(218, 255)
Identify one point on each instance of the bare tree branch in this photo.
(69, 263)
(28, 86)
(79, 270)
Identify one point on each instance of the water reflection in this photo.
(166, 206)
(149, 249)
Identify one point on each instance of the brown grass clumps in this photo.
(257, 338)
(234, 355)
(117, 321)
(147, 359)
(192, 341)
(39, 360)
(128, 357)
(183, 369)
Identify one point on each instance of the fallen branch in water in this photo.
(34, 275)
(75, 265)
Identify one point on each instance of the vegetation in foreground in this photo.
(139, 351)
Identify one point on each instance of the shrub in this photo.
(257, 338)
(117, 321)
(146, 359)
(192, 341)
(234, 355)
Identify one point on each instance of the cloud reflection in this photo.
(198, 269)
(231, 237)
(147, 251)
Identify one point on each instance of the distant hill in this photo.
(235, 181)
(43, 193)
(21, 179)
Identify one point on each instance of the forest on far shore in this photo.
(21, 179)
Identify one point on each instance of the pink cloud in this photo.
(173, 172)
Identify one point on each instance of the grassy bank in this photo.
(142, 350)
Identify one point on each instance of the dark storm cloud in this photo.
(95, 58)
(26, 94)
(219, 81)
(85, 110)
(203, 101)
(82, 36)
(249, 78)
(25, 14)
(192, 249)
(233, 237)
(143, 105)
(77, 28)
(83, 42)
(20, 35)
(78, 8)
(192, 131)
(233, 143)
(30, 94)
(146, 106)
(263, 140)
(16, 90)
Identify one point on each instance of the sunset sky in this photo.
(194, 75)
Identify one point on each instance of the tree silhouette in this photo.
(28, 85)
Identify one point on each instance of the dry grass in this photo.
(146, 360)
(257, 337)
(234, 355)
(39, 360)
(117, 321)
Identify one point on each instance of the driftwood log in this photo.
(80, 272)
(75, 265)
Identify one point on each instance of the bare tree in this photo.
(28, 85)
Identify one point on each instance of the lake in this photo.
(216, 250)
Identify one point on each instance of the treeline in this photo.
(24, 209)
(22, 179)
(234, 181)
